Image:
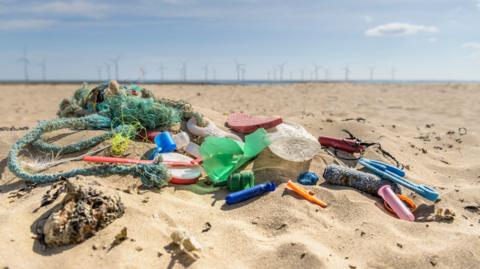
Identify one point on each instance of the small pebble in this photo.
(138, 249)
(207, 228)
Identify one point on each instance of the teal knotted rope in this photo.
(93, 121)
(150, 174)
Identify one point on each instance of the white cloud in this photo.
(73, 7)
(477, 3)
(399, 29)
(26, 24)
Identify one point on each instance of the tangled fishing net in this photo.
(123, 112)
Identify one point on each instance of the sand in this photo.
(418, 124)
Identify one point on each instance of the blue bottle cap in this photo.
(165, 144)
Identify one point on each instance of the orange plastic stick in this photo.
(305, 195)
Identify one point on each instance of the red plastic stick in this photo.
(102, 159)
(348, 145)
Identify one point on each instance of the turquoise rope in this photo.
(151, 175)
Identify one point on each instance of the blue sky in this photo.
(429, 39)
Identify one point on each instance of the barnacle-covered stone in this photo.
(84, 211)
(366, 182)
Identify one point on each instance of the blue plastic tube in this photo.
(243, 195)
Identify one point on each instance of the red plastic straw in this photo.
(102, 159)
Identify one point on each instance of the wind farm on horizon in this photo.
(110, 69)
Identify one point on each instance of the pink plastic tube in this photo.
(395, 203)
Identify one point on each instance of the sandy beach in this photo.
(433, 129)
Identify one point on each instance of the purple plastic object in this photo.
(395, 203)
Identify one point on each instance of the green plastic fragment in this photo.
(222, 156)
(241, 181)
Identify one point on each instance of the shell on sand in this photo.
(185, 241)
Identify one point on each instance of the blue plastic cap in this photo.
(307, 178)
(165, 142)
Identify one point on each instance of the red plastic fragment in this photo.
(246, 124)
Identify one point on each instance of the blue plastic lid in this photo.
(307, 178)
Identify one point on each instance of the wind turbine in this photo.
(242, 72)
(183, 71)
(214, 74)
(268, 75)
(43, 66)
(240, 69)
(26, 62)
(162, 69)
(347, 72)
(205, 71)
(317, 67)
(372, 72)
(143, 72)
(274, 73)
(327, 73)
(107, 67)
(115, 64)
(393, 71)
(99, 72)
(302, 73)
(280, 69)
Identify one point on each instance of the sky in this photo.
(77, 39)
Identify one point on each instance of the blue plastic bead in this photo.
(307, 178)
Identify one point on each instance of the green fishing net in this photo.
(129, 109)
(120, 110)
